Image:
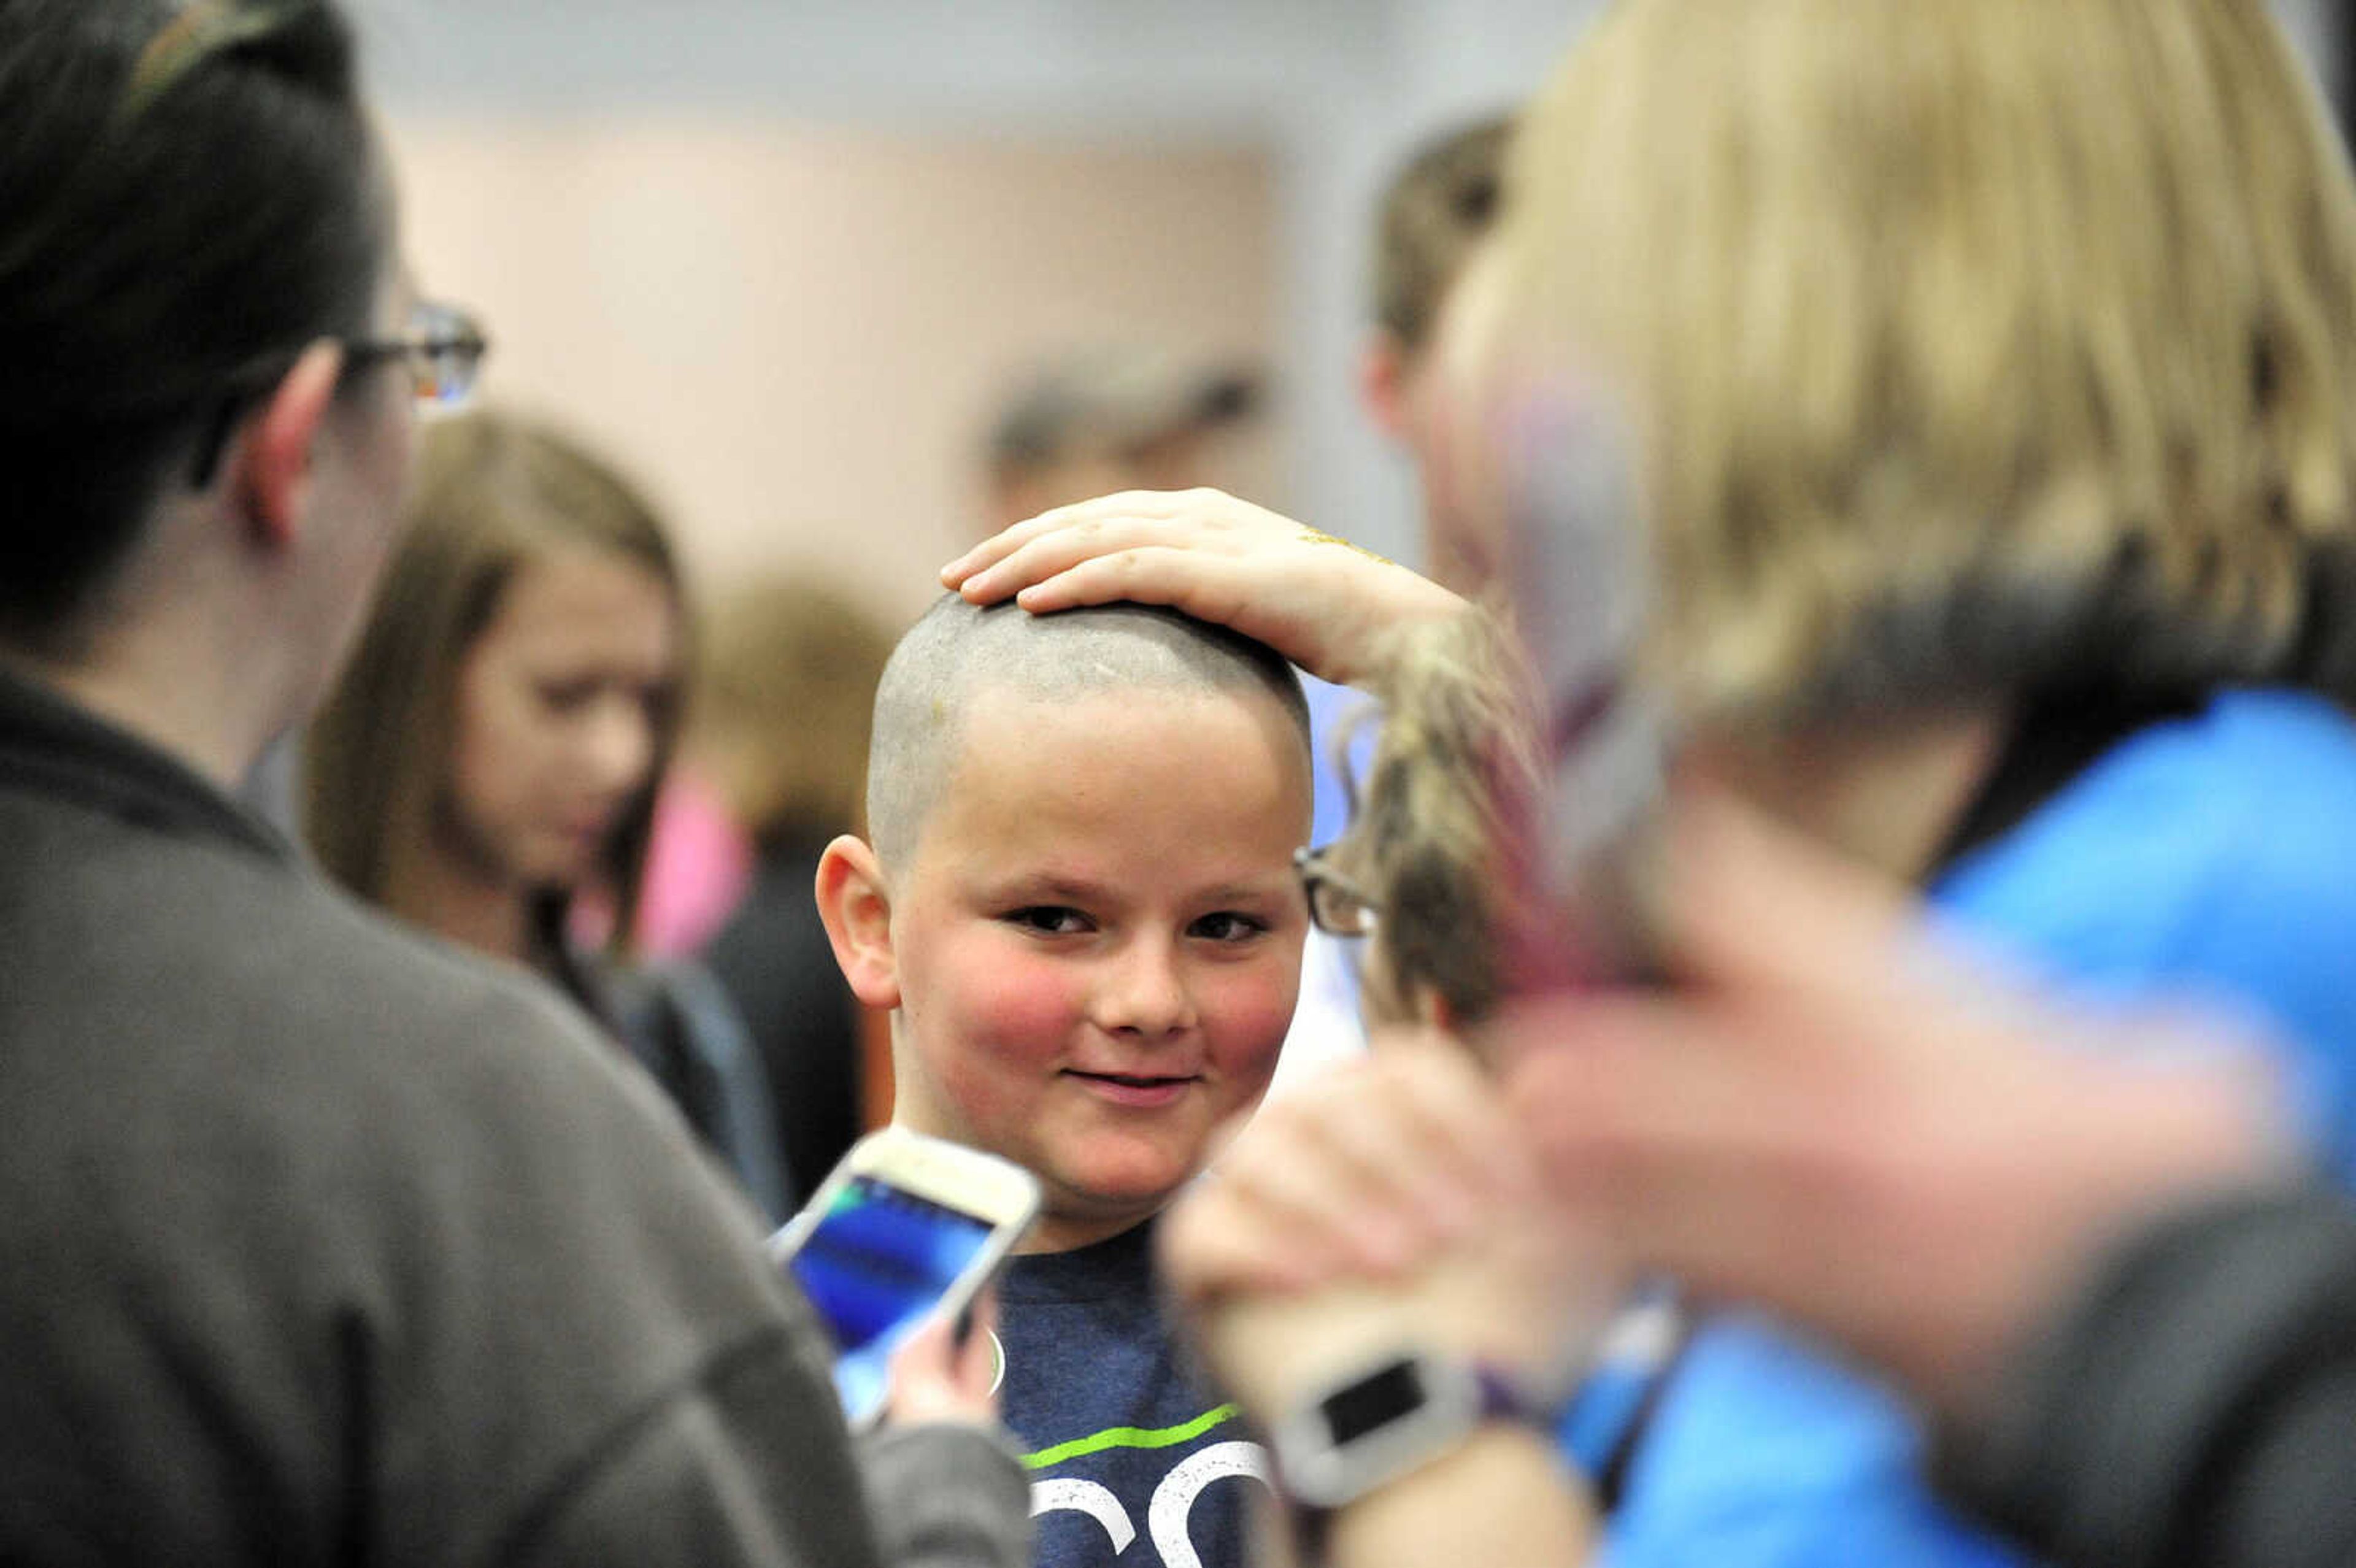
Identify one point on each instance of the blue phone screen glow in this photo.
(879, 1261)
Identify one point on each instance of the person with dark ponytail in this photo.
(317, 1244)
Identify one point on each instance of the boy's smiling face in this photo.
(1096, 939)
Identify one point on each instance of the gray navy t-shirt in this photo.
(1134, 1460)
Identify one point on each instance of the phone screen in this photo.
(876, 1263)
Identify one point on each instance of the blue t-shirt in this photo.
(2212, 857)
(1132, 1458)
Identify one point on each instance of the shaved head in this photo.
(957, 651)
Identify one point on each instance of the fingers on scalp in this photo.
(1142, 574)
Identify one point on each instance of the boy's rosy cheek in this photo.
(1256, 1013)
(1020, 1009)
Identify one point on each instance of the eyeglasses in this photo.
(1338, 906)
(443, 347)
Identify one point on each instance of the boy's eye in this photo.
(1227, 925)
(1049, 920)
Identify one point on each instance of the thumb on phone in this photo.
(947, 1370)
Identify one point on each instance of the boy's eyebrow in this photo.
(1284, 881)
(1054, 885)
(1042, 885)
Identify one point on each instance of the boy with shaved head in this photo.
(1079, 903)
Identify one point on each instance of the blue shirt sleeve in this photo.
(1763, 1454)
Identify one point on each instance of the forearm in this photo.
(1505, 1500)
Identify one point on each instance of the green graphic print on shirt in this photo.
(1133, 1459)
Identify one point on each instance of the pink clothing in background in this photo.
(699, 864)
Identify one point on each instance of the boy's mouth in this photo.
(1136, 1091)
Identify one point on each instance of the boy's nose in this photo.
(1144, 992)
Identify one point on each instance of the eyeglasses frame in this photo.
(1318, 881)
(436, 330)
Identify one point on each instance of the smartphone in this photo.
(904, 1227)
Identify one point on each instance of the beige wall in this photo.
(793, 335)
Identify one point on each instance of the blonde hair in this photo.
(1970, 346)
(493, 492)
(1455, 766)
(788, 693)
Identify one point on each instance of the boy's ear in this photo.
(856, 906)
(273, 465)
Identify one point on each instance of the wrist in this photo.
(1394, 1429)
(1502, 1498)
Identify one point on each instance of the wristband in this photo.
(1371, 1427)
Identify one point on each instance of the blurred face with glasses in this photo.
(1341, 909)
(1420, 891)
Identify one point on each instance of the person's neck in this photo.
(193, 718)
(492, 916)
(184, 651)
(1052, 1233)
(1890, 793)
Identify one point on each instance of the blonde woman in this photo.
(1983, 375)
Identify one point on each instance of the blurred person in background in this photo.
(320, 1244)
(2018, 574)
(1113, 417)
(786, 696)
(1429, 221)
(1428, 226)
(489, 757)
(2082, 1241)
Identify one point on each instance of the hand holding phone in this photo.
(947, 1369)
(905, 1229)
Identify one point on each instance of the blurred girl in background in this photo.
(489, 760)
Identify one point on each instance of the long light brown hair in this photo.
(1972, 348)
(492, 493)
